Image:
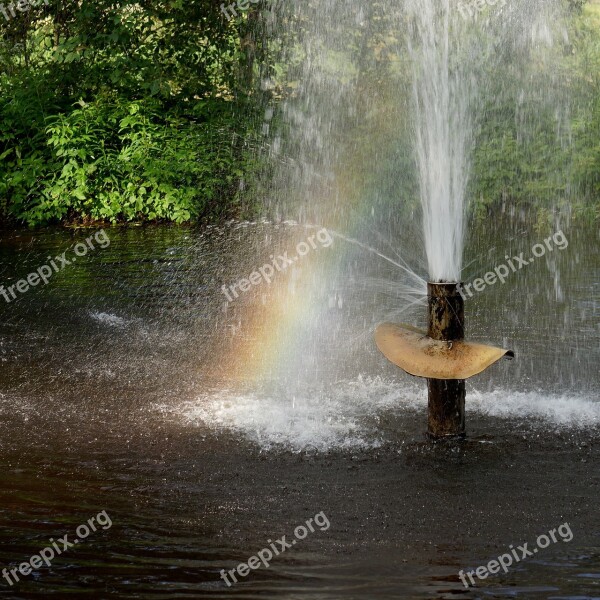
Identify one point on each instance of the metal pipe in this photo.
(446, 322)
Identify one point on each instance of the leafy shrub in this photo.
(116, 160)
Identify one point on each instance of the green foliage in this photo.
(116, 160)
(124, 112)
(553, 158)
(152, 110)
(109, 166)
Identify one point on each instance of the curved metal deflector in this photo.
(413, 351)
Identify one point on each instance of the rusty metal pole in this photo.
(446, 322)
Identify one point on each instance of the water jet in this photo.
(441, 355)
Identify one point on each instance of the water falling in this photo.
(379, 130)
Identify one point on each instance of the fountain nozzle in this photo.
(446, 323)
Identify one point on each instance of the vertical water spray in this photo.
(443, 92)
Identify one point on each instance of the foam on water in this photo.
(108, 319)
(343, 418)
(564, 410)
(354, 414)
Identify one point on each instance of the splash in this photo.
(368, 413)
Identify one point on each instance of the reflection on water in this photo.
(205, 427)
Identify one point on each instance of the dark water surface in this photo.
(205, 429)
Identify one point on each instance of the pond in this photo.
(203, 429)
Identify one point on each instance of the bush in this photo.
(118, 160)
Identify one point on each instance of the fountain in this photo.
(345, 159)
(444, 96)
